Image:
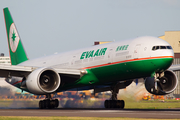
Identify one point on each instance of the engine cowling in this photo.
(43, 81)
(166, 84)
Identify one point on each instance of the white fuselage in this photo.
(137, 48)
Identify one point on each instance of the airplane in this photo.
(106, 67)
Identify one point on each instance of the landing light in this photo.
(83, 72)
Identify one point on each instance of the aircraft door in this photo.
(110, 55)
(137, 51)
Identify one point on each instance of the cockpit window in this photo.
(161, 47)
(169, 47)
(157, 47)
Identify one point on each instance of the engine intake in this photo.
(166, 84)
(43, 81)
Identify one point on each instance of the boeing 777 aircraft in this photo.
(106, 67)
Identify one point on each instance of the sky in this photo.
(53, 26)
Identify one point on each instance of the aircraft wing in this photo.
(21, 71)
(175, 67)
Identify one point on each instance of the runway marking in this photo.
(108, 111)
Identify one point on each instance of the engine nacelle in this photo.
(43, 81)
(166, 84)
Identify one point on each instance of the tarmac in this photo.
(95, 112)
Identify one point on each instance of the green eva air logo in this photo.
(13, 38)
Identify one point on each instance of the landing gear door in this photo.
(137, 51)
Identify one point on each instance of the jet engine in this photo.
(43, 81)
(162, 85)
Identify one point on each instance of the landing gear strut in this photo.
(48, 103)
(113, 102)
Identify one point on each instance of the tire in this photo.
(47, 104)
(122, 104)
(41, 106)
(106, 103)
(56, 103)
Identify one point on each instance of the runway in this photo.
(75, 112)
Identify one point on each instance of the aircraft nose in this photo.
(170, 56)
(170, 53)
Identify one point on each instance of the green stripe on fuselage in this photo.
(121, 71)
(131, 70)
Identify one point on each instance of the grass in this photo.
(129, 104)
(154, 104)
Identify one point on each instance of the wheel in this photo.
(41, 104)
(56, 103)
(109, 104)
(52, 104)
(47, 104)
(106, 103)
(118, 104)
(44, 104)
(114, 104)
(122, 104)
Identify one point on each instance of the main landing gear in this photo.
(113, 102)
(48, 103)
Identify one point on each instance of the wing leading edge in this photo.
(21, 71)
